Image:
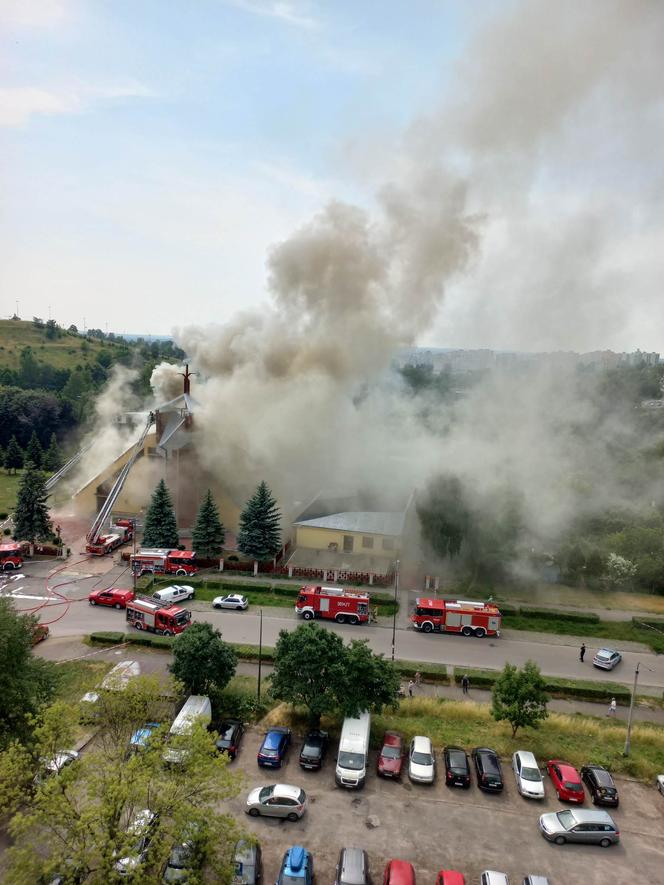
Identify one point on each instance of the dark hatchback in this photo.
(457, 767)
(314, 750)
(601, 785)
(272, 751)
(488, 770)
(230, 734)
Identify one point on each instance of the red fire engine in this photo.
(148, 614)
(456, 616)
(171, 562)
(120, 533)
(333, 603)
(10, 556)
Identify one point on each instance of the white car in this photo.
(235, 601)
(607, 659)
(421, 761)
(56, 764)
(660, 783)
(529, 781)
(493, 877)
(174, 593)
(140, 831)
(277, 800)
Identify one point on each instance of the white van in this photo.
(197, 708)
(353, 755)
(176, 593)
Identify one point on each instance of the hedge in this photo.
(578, 617)
(429, 672)
(656, 624)
(560, 688)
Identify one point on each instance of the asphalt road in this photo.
(76, 617)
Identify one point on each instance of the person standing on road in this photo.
(582, 652)
(465, 683)
(411, 685)
(612, 708)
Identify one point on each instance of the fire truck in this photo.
(119, 534)
(456, 616)
(10, 556)
(155, 617)
(153, 561)
(333, 603)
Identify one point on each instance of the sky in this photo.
(153, 153)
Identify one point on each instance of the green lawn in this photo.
(77, 677)
(577, 597)
(65, 352)
(612, 631)
(8, 489)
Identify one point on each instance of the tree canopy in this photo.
(209, 534)
(160, 528)
(202, 661)
(519, 697)
(260, 533)
(31, 516)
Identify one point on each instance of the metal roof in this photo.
(367, 522)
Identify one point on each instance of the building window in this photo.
(388, 543)
(348, 543)
(367, 542)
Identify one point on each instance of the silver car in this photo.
(277, 800)
(607, 658)
(579, 825)
(528, 776)
(421, 761)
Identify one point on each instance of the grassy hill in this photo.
(65, 351)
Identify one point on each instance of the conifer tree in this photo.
(13, 456)
(209, 533)
(161, 528)
(52, 457)
(260, 532)
(31, 518)
(2, 457)
(34, 451)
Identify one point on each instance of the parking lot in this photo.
(439, 828)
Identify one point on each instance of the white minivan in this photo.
(197, 708)
(175, 593)
(353, 755)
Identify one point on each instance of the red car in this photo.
(39, 633)
(399, 872)
(566, 780)
(113, 596)
(390, 758)
(450, 877)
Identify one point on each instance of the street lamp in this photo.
(394, 614)
(631, 710)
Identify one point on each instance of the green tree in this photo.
(519, 697)
(34, 451)
(444, 515)
(26, 681)
(209, 534)
(52, 457)
(13, 456)
(202, 661)
(31, 517)
(51, 329)
(2, 457)
(260, 534)
(368, 681)
(161, 528)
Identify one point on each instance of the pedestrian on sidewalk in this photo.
(465, 683)
(411, 685)
(582, 652)
(418, 678)
(612, 708)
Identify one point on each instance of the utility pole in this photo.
(394, 614)
(260, 656)
(631, 710)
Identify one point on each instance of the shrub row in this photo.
(557, 687)
(109, 637)
(544, 613)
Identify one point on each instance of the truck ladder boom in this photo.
(95, 529)
(52, 480)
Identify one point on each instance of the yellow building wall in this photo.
(320, 539)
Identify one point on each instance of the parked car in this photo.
(297, 867)
(314, 749)
(601, 786)
(528, 776)
(174, 593)
(488, 769)
(277, 800)
(421, 761)
(579, 825)
(566, 781)
(230, 734)
(660, 783)
(233, 601)
(493, 877)
(114, 596)
(352, 867)
(272, 751)
(399, 872)
(450, 877)
(141, 828)
(535, 880)
(248, 863)
(607, 658)
(181, 862)
(390, 758)
(457, 767)
(139, 739)
(55, 764)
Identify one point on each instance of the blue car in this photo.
(140, 737)
(297, 867)
(273, 749)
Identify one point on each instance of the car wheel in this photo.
(216, 606)
(560, 840)
(292, 816)
(308, 616)
(480, 632)
(253, 812)
(180, 571)
(138, 625)
(467, 631)
(238, 608)
(427, 628)
(92, 602)
(605, 843)
(117, 605)
(353, 619)
(167, 633)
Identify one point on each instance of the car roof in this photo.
(287, 791)
(392, 739)
(246, 851)
(600, 771)
(527, 758)
(353, 866)
(592, 816)
(295, 860)
(421, 743)
(401, 871)
(566, 768)
(606, 651)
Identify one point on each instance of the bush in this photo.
(7, 532)
(108, 637)
(4, 515)
(577, 617)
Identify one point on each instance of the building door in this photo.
(348, 543)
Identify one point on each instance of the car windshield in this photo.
(421, 758)
(352, 761)
(180, 857)
(311, 750)
(458, 761)
(182, 618)
(390, 753)
(605, 655)
(292, 880)
(227, 732)
(265, 793)
(566, 819)
(531, 774)
(268, 751)
(572, 787)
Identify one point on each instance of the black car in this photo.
(352, 867)
(314, 749)
(488, 770)
(230, 735)
(457, 767)
(248, 863)
(601, 785)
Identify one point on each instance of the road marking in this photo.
(14, 595)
